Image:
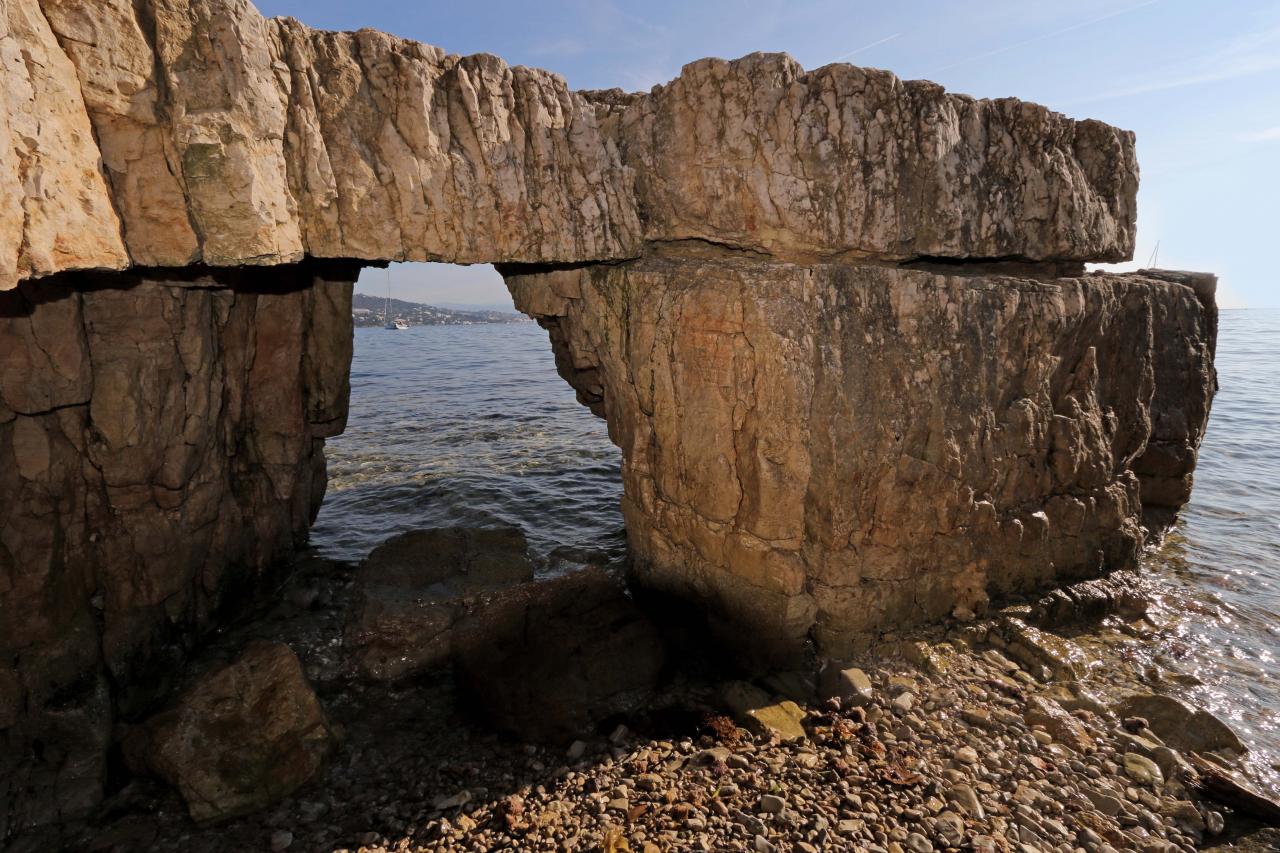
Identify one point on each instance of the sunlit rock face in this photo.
(226, 138)
(838, 323)
(825, 452)
(847, 162)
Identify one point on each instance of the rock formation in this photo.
(414, 590)
(838, 322)
(161, 445)
(796, 459)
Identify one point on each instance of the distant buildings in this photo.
(367, 311)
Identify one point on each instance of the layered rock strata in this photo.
(824, 452)
(161, 451)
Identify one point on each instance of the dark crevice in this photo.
(1011, 265)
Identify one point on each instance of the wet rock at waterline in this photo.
(242, 737)
(412, 591)
(549, 659)
(1180, 725)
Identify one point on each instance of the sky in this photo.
(1197, 80)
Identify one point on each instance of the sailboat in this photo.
(388, 323)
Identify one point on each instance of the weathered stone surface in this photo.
(55, 209)
(853, 162)
(849, 684)
(160, 452)
(227, 138)
(242, 737)
(764, 714)
(822, 451)
(854, 430)
(414, 588)
(551, 658)
(1180, 725)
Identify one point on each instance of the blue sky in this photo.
(1199, 82)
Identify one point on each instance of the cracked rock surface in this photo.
(838, 324)
(825, 452)
(174, 132)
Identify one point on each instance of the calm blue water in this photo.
(1221, 565)
(471, 425)
(467, 425)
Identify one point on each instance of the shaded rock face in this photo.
(241, 737)
(414, 589)
(822, 452)
(161, 449)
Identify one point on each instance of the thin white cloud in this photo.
(866, 47)
(1271, 134)
(1243, 56)
(1045, 37)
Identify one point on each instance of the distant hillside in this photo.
(367, 310)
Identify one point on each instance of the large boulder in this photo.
(1180, 725)
(242, 737)
(550, 659)
(413, 589)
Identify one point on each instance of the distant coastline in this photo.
(368, 312)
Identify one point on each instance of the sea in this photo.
(471, 425)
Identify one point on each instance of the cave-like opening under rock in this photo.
(460, 419)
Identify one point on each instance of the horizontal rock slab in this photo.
(816, 452)
(201, 132)
(852, 162)
(1180, 725)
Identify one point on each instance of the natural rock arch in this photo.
(839, 325)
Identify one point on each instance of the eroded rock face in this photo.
(820, 452)
(226, 138)
(837, 322)
(241, 737)
(853, 162)
(55, 208)
(161, 451)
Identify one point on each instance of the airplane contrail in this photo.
(867, 47)
(1053, 34)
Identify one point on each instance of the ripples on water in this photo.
(471, 425)
(467, 425)
(1221, 564)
